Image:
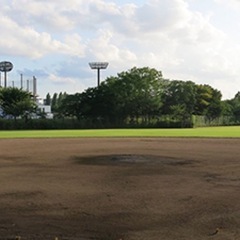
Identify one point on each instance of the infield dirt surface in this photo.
(120, 188)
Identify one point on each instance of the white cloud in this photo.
(63, 84)
(73, 45)
(233, 4)
(162, 15)
(168, 35)
(26, 41)
(102, 48)
(61, 80)
(45, 14)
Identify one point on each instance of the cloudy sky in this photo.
(54, 40)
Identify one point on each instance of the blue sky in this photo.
(185, 39)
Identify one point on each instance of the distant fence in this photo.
(204, 121)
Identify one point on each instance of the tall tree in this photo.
(47, 100)
(135, 94)
(208, 101)
(71, 106)
(179, 97)
(138, 92)
(235, 106)
(16, 102)
(54, 103)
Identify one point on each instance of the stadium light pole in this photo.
(5, 67)
(98, 66)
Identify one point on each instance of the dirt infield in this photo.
(112, 189)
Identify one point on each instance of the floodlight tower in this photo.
(98, 66)
(5, 67)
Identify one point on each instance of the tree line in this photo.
(143, 97)
(139, 97)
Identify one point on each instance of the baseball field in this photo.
(128, 184)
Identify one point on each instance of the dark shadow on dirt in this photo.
(126, 159)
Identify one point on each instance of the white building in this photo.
(46, 109)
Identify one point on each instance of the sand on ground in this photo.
(120, 188)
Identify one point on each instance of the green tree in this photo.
(137, 93)
(16, 102)
(47, 100)
(179, 99)
(235, 106)
(54, 103)
(208, 101)
(100, 103)
(214, 109)
(204, 96)
(58, 105)
(71, 106)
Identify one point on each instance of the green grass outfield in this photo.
(221, 132)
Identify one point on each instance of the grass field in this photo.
(219, 132)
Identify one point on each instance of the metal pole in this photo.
(21, 80)
(28, 85)
(5, 79)
(98, 76)
(34, 88)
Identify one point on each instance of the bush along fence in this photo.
(165, 121)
